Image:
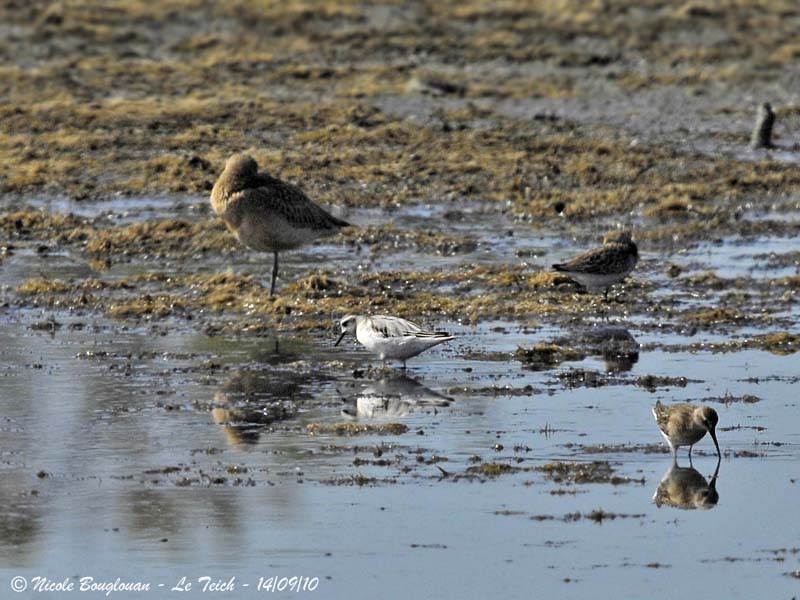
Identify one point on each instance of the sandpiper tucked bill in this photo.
(600, 268)
(267, 214)
(391, 337)
(686, 424)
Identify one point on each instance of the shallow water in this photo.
(123, 446)
(97, 431)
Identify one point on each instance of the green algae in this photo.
(546, 356)
(351, 429)
(492, 469)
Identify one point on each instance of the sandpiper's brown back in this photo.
(617, 254)
(675, 416)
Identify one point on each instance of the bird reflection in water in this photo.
(686, 488)
(249, 401)
(393, 397)
(615, 345)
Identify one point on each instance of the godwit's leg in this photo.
(274, 276)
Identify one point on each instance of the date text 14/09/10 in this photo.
(288, 584)
(265, 584)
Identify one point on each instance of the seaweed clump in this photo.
(350, 429)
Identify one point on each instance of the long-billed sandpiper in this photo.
(267, 214)
(686, 424)
(391, 337)
(600, 268)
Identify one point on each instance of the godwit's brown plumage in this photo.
(267, 214)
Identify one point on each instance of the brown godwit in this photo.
(267, 214)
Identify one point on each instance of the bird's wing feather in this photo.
(679, 416)
(287, 200)
(602, 260)
(387, 326)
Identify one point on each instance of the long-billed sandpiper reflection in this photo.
(686, 488)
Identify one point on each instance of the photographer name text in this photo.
(203, 584)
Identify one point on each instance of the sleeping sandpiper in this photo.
(600, 268)
(686, 424)
(267, 214)
(391, 337)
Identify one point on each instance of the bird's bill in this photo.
(712, 484)
(342, 336)
(714, 437)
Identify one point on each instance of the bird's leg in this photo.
(605, 294)
(690, 452)
(404, 364)
(274, 276)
